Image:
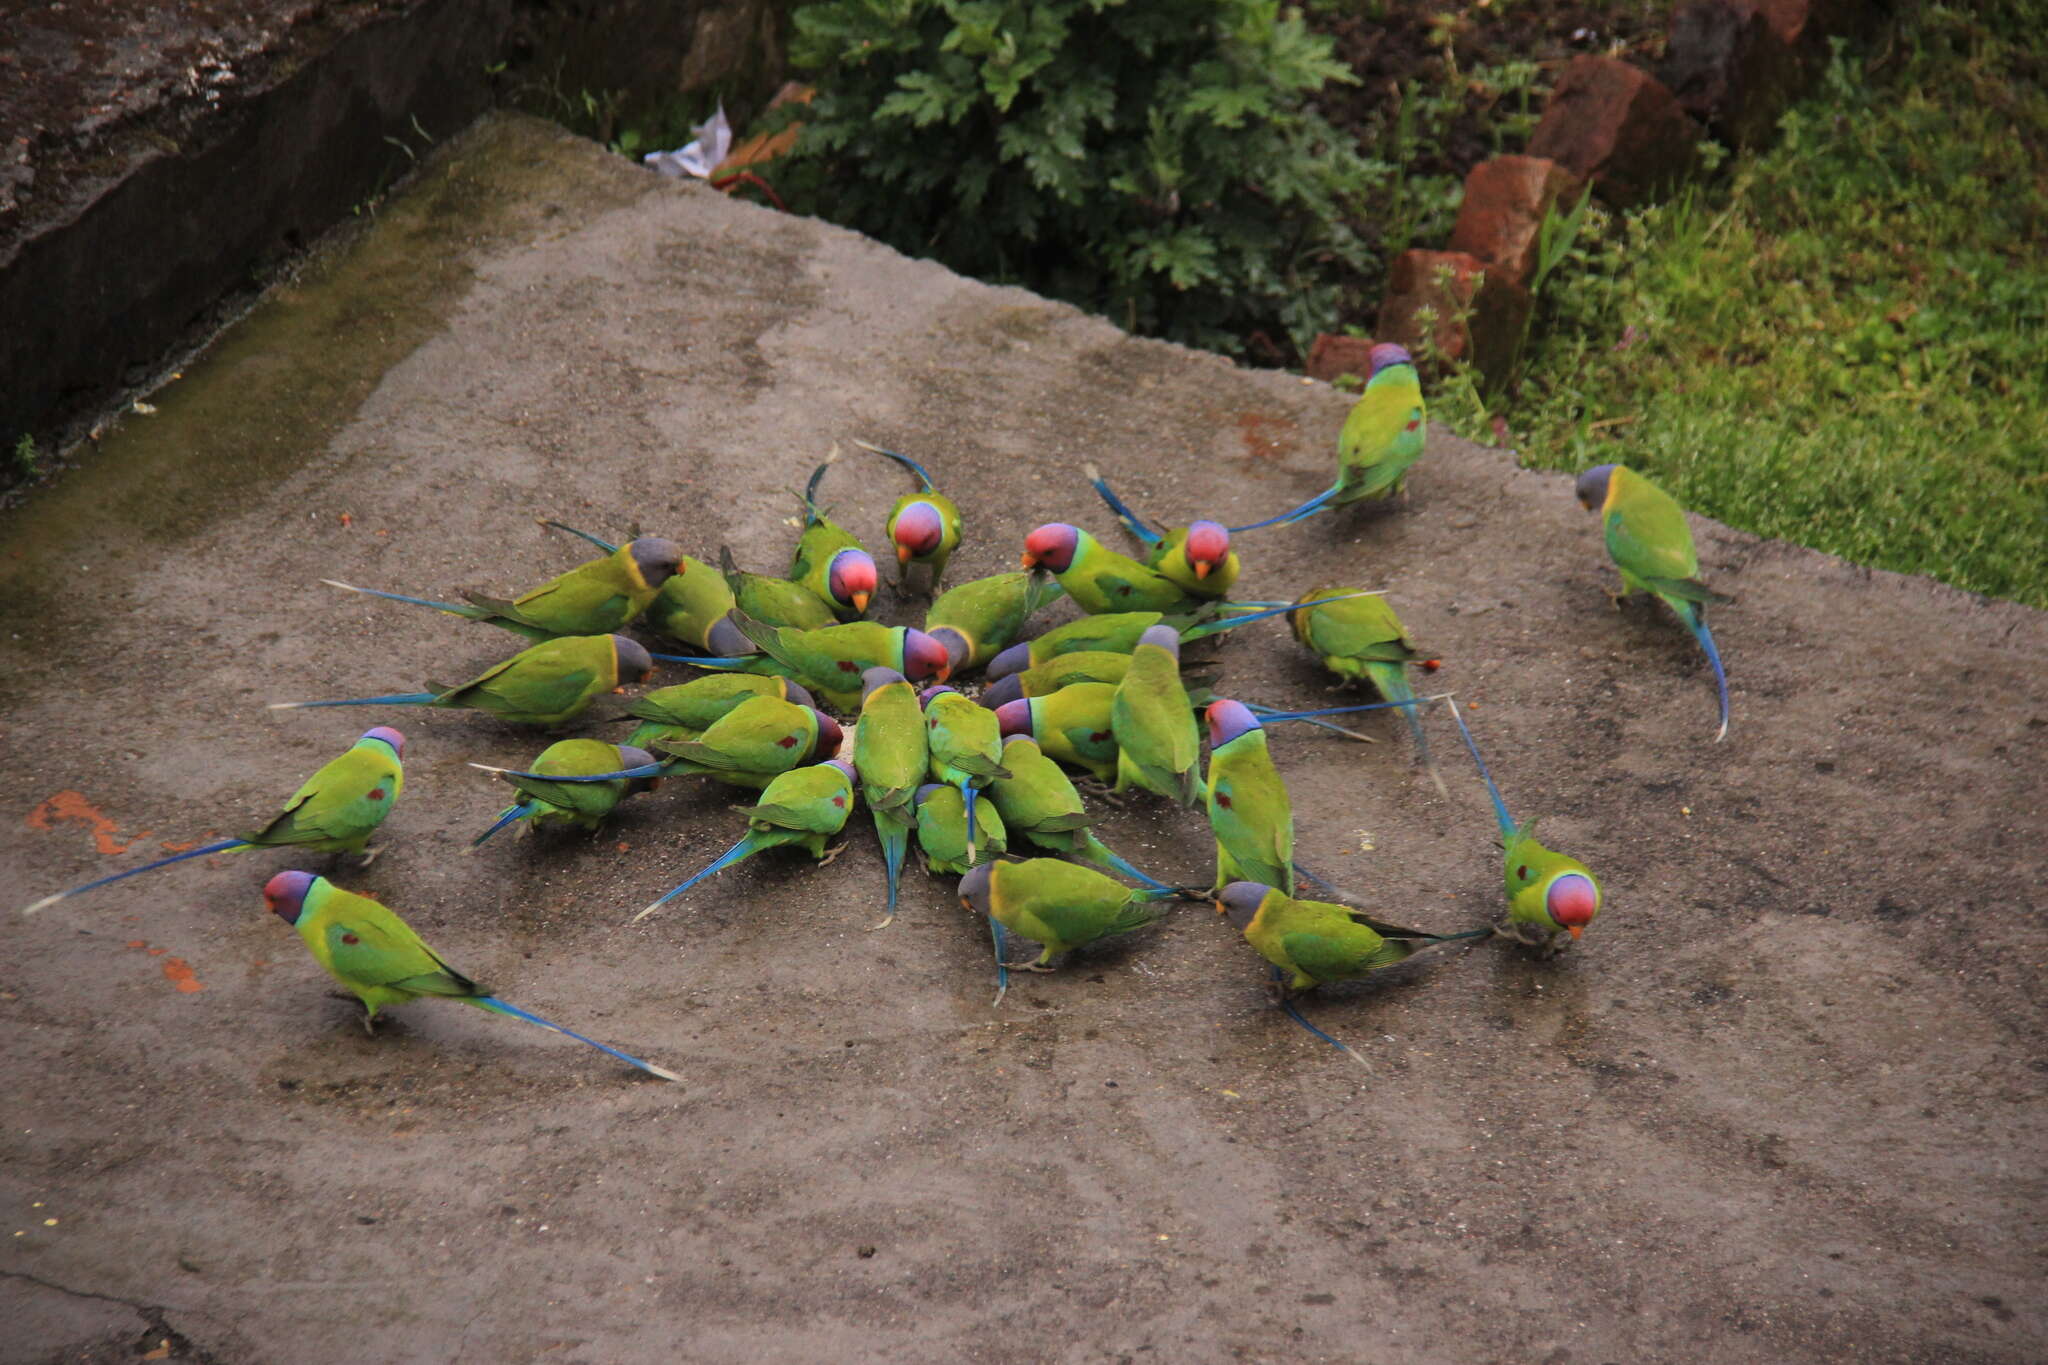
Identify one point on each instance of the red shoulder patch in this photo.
(376, 794)
(1223, 800)
(786, 742)
(848, 666)
(350, 939)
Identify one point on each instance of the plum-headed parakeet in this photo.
(367, 948)
(595, 598)
(550, 683)
(1651, 545)
(336, 810)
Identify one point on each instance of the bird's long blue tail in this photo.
(995, 932)
(623, 774)
(895, 838)
(604, 545)
(510, 815)
(1294, 1012)
(221, 846)
(739, 852)
(1500, 807)
(968, 796)
(706, 660)
(913, 466)
(811, 510)
(1307, 509)
(497, 1006)
(1696, 622)
(1233, 622)
(1100, 852)
(1267, 714)
(452, 608)
(1133, 523)
(390, 699)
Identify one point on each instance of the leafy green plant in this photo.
(28, 461)
(1156, 160)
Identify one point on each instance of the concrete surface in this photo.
(1784, 1103)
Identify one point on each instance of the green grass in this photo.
(1842, 340)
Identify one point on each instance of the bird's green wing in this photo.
(342, 803)
(364, 944)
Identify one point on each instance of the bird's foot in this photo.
(368, 856)
(1102, 791)
(1029, 967)
(370, 1023)
(826, 859)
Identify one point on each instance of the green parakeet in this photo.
(1357, 636)
(830, 660)
(1072, 725)
(1316, 942)
(775, 601)
(595, 598)
(746, 747)
(1648, 540)
(584, 804)
(1099, 579)
(1383, 435)
(1159, 744)
(1197, 557)
(550, 683)
(980, 619)
(942, 830)
(1038, 802)
(381, 961)
(802, 808)
(891, 754)
(829, 560)
(924, 526)
(1249, 810)
(687, 710)
(966, 745)
(336, 810)
(1548, 893)
(1060, 905)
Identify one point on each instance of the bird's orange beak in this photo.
(1218, 904)
(860, 601)
(1030, 560)
(618, 691)
(902, 553)
(1575, 930)
(1202, 567)
(946, 670)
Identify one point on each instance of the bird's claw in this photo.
(825, 860)
(368, 855)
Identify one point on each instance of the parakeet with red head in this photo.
(1099, 579)
(923, 526)
(1196, 557)
(829, 560)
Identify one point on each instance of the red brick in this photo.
(1502, 213)
(1448, 282)
(1617, 126)
(1333, 356)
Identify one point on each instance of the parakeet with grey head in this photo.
(595, 598)
(376, 955)
(1651, 545)
(336, 810)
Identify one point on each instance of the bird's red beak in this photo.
(1575, 930)
(903, 553)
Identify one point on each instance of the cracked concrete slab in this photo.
(1783, 1103)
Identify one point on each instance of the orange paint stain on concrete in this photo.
(182, 976)
(1265, 436)
(70, 805)
(176, 970)
(170, 847)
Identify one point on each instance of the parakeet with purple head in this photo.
(336, 810)
(366, 947)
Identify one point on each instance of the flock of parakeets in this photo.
(983, 786)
